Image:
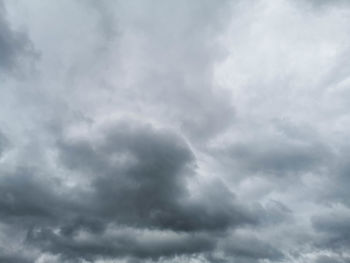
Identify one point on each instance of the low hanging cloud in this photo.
(163, 131)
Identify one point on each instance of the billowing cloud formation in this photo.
(174, 131)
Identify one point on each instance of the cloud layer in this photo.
(174, 131)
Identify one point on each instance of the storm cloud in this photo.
(174, 131)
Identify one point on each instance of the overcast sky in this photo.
(179, 131)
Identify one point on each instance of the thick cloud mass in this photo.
(174, 131)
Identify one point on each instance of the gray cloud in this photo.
(335, 226)
(151, 178)
(248, 249)
(13, 259)
(136, 177)
(122, 245)
(4, 143)
(163, 131)
(15, 47)
(331, 259)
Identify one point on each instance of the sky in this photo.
(164, 131)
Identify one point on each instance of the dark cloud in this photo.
(133, 244)
(137, 178)
(15, 47)
(4, 143)
(331, 259)
(283, 152)
(327, 3)
(278, 159)
(147, 170)
(250, 249)
(13, 259)
(335, 229)
(24, 195)
(175, 131)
